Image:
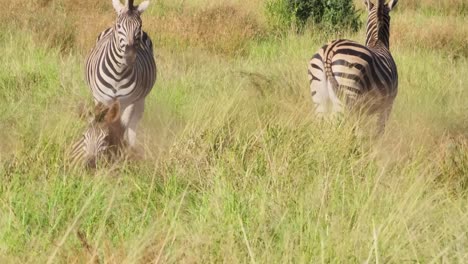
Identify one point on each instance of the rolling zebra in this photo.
(344, 73)
(121, 66)
(103, 137)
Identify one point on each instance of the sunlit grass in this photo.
(236, 167)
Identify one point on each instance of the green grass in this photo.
(236, 167)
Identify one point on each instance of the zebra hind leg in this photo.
(382, 118)
(320, 99)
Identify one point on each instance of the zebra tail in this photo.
(328, 70)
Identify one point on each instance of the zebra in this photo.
(103, 138)
(121, 66)
(344, 73)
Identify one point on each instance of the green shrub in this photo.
(340, 14)
(333, 15)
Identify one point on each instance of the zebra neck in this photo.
(377, 43)
(375, 39)
(121, 63)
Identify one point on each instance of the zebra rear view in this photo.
(346, 74)
(121, 66)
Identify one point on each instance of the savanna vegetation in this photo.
(236, 168)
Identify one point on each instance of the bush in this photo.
(332, 15)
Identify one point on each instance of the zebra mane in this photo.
(129, 4)
(380, 8)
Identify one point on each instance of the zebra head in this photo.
(378, 22)
(102, 136)
(128, 27)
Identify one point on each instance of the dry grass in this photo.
(220, 29)
(225, 27)
(65, 24)
(447, 34)
(452, 158)
(74, 25)
(445, 7)
(448, 7)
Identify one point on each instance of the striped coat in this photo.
(121, 66)
(102, 139)
(345, 74)
(110, 78)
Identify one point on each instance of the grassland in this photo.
(236, 167)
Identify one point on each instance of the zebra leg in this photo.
(125, 119)
(130, 118)
(319, 92)
(336, 104)
(383, 118)
(321, 104)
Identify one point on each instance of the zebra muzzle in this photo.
(130, 54)
(91, 163)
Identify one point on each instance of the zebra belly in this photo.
(127, 90)
(124, 96)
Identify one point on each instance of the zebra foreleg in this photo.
(130, 118)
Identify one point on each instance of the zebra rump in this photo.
(345, 74)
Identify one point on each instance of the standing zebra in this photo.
(121, 66)
(362, 76)
(103, 136)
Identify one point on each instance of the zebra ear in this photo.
(369, 5)
(391, 4)
(113, 112)
(117, 6)
(143, 6)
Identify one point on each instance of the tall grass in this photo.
(236, 167)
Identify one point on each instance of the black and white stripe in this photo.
(121, 66)
(89, 148)
(346, 73)
(102, 139)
